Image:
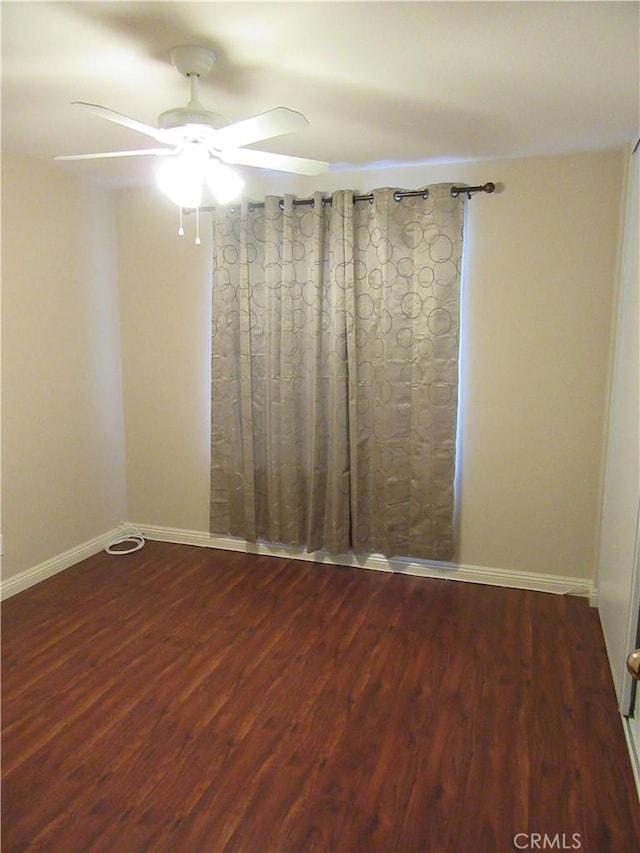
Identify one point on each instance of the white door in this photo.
(630, 700)
(618, 572)
(630, 697)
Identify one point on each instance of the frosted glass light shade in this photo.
(223, 182)
(181, 180)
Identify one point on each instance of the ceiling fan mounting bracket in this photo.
(192, 60)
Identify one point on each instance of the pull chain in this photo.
(197, 226)
(180, 229)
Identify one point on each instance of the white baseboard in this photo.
(538, 582)
(30, 577)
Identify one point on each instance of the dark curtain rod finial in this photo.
(489, 187)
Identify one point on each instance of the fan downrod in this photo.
(192, 60)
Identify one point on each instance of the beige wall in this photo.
(540, 268)
(165, 298)
(63, 479)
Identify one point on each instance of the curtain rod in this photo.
(489, 187)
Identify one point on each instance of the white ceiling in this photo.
(380, 82)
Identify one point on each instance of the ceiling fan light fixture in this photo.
(224, 183)
(181, 178)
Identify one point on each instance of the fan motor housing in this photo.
(181, 116)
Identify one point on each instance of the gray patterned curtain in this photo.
(335, 372)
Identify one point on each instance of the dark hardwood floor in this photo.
(186, 699)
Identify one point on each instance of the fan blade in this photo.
(119, 118)
(139, 153)
(278, 162)
(274, 122)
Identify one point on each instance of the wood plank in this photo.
(186, 699)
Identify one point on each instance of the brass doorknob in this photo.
(633, 664)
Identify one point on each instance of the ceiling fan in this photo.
(203, 144)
